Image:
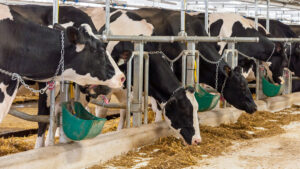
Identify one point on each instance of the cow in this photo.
(180, 106)
(235, 25)
(27, 55)
(282, 30)
(167, 23)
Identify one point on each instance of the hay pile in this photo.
(16, 144)
(171, 153)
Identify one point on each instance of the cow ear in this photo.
(72, 34)
(58, 27)
(227, 70)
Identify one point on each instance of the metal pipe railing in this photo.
(146, 88)
(110, 105)
(171, 39)
(28, 117)
(295, 78)
(285, 39)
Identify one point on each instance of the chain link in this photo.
(217, 63)
(20, 79)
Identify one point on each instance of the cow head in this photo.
(86, 60)
(180, 113)
(236, 90)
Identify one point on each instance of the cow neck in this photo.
(27, 49)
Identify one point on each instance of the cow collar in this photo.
(176, 90)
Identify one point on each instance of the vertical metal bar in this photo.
(138, 84)
(182, 18)
(232, 58)
(129, 73)
(77, 93)
(64, 97)
(107, 17)
(287, 75)
(268, 16)
(259, 75)
(190, 68)
(53, 119)
(183, 70)
(55, 11)
(146, 82)
(256, 16)
(206, 17)
(197, 70)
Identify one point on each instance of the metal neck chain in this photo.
(176, 90)
(217, 63)
(20, 79)
(271, 53)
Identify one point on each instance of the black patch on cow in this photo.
(133, 16)
(115, 16)
(43, 109)
(1, 96)
(217, 27)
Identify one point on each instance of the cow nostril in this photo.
(122, 79)
(196, 142)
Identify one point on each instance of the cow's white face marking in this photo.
(267, 65)
(6, 104)
(65, 25)
(194, 102)
(80, 47)
(126, 26)
(88, 29)
(248, 75)
(5, 13)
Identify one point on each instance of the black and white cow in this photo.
(281, 30)
(23, 51)
(180, 104)
(234, 25)
(167, 22)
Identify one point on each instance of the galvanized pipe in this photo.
(256, 16)
(146, 87)
(252, 85)
(171, 39)
(296, 78)
(28, 117)
(182, 18)
(285, 39)
(268, 16)
(129, 72)
(197, 68)
(107, 18)
(183, 70)
(77, 93)
(206, 17)
(55, 11)
(110, 105)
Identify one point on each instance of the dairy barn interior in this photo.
(149, 84)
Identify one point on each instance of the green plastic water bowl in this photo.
(206, 101)
(82, 124)
(270, 89)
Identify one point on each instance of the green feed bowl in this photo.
(206, 101)
(270, 89)
(82, 124)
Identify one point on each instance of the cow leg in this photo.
(8, 91)
(155, 108)
(43, 109)
(122, 119)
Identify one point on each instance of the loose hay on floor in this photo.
(16, 144)
(170, 152)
